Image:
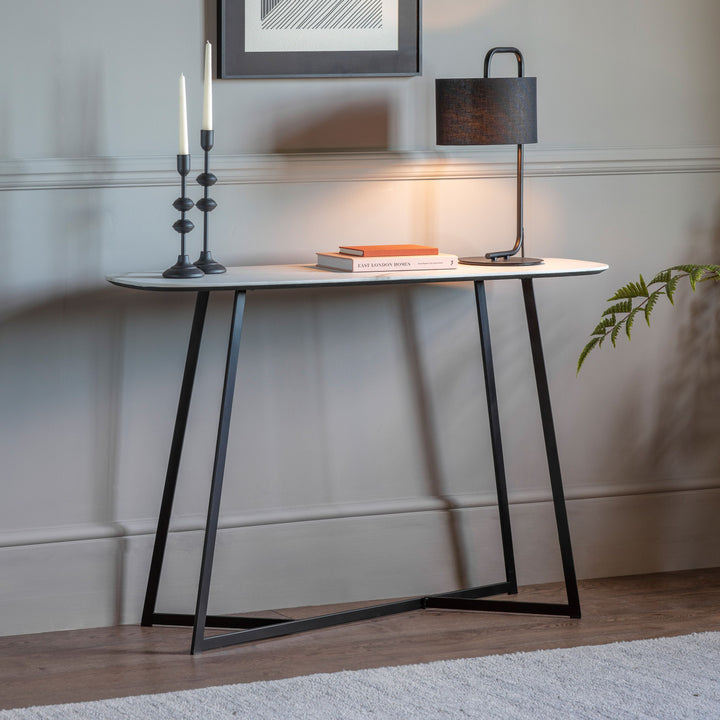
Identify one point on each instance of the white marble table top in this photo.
(264, 277)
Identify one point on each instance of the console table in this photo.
(240, 281)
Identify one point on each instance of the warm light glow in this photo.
(456, 14)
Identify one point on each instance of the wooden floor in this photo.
(79, 665)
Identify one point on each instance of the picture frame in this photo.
(318, 38)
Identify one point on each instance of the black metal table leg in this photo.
(218, 471)
(250, 629)
(469, 600)
(174, 461)
(551, 448)
(495, 435)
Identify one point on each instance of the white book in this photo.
(353, 263)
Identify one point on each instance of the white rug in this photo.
(661, 679)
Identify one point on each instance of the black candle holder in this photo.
(206, 205)
(183, 268)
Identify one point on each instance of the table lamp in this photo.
(491, 111)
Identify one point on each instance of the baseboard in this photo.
(95, 582)
(336, 511)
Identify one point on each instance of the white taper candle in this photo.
(183, 145)
(207, 118)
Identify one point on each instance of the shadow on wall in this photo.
(676, 438)
(688, 415)
(683, 436)
(63, 363)
(60, 365)
(361, 126)
(357, 126)
(437, 485)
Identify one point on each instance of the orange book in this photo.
(388, 250)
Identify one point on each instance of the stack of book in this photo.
(386, 258)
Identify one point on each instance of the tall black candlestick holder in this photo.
(183, 268)
(206, 205)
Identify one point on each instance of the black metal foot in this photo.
(208, 265)
(501, 261)
(183, 268)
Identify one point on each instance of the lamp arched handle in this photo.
(498, 50)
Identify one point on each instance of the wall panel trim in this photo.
(131, 172)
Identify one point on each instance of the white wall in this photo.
(335, 487)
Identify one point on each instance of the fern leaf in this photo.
(615, 332)
(627, 291)
(703, 273)
(585, 352)
(643, 287)
(698, 273)
(695, 276)
(650, 304)
(689, 268)
(603, 325)
(630, 320)
(670, 288)
(662, 277)
(622, 307)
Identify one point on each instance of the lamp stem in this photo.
(520, 232)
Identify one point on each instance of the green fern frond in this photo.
(586, 350)
(690, 268)
(631, 319)
(622, 307)
(662, 277)
(695, 276)
(631, 290)
(650, 304)
(603, 325)
(635, 297)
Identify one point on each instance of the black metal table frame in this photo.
(249, 629)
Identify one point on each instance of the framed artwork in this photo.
(318, 38)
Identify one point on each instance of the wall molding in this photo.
(337, 511)
(131, 172)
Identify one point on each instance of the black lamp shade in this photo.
(486, 111)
